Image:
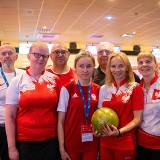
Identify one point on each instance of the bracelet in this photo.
(119, 133)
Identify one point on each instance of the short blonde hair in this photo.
(129, 73)
(39, 44)
(84, 53)
(146, 54)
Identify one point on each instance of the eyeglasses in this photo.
(104, 51)
(38, 55)
(5, 53)
(57, 52)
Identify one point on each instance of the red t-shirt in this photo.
(37, 113)
(65, 77)
(75, 116)
(123, 101)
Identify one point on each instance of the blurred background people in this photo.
(122, 94)
(78, 101)
(8, 56)
(59, 56)
(103, 51)
(149, 130)
(31, 116)
(99, 74)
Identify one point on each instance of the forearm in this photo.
(61, 136)
(11, 113)
(133, 124)
(10, 131)
(61, 119)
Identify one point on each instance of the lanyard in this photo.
(86, 109)
(4, 77)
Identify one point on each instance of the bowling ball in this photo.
(104, 116)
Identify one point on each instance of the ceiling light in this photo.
(127, 35)
(108, 17)
(96, 36)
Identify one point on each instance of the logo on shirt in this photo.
(2, 84)
(156, 94)
(75, 95)
(93, 96)
(50, 86)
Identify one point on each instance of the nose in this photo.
(104, 53)
(144, 64)
(85, 69)
(7, 54)
(117, 69)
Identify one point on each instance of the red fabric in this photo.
(75, 117)
(111, 154)
(85, 155)
(126, 141)
(147, 140)
(66, 77)
(37, 115)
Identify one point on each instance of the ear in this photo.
(16, 56)
(156, 68)
(28, 56)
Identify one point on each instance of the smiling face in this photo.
(147, 66)
(102, 55)
(118, 68)
(84, 68)
(59, 55)
(38, 62)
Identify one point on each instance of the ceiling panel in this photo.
(77, 20)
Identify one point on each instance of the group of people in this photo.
(45, 113)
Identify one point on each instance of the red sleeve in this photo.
(137, 98)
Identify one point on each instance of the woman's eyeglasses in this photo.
(38, 55)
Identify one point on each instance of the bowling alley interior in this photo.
(132, 26)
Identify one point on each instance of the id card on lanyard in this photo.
(86, 129)
(4, 77)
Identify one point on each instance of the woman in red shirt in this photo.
(122, 94)
(78, 101)
(31, 104)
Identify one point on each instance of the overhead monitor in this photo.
(117, 48)
(156, 52)
(24, 47)
(92, 49)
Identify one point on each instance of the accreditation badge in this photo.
(87, 133)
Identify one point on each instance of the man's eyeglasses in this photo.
(38, 55)
(101, 52)
(57, 52)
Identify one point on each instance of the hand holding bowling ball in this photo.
(104, 116)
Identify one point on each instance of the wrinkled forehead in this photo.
(60, 47)
(7, 48)
(40, 49)
(105, 48)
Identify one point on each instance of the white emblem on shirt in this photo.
(50, 86)
(93, 96)
(75, 95)
(157, 95)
